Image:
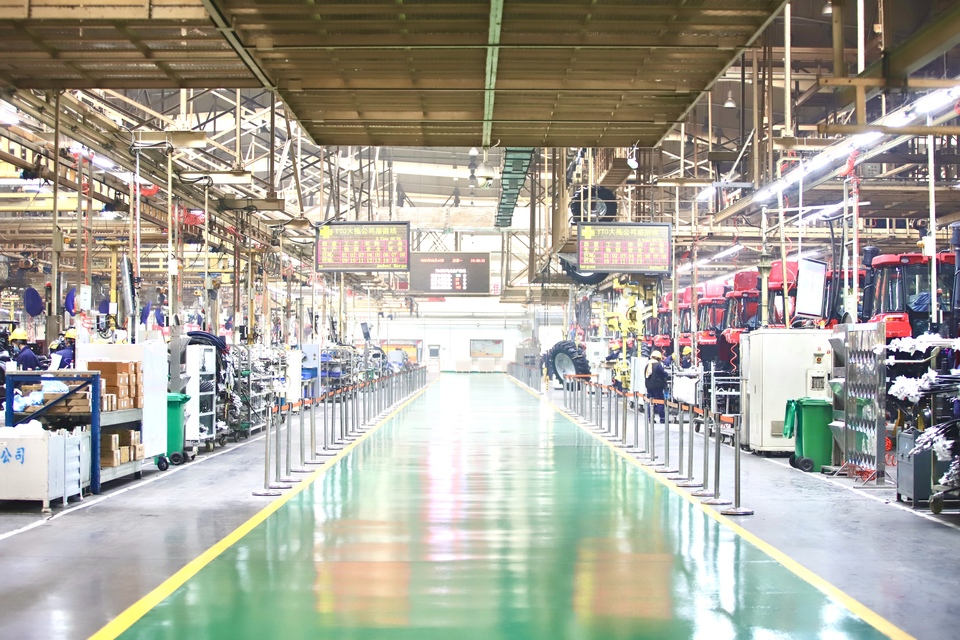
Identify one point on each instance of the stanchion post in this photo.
(268, 488)
(688, 481)
(681, 408)
(705, 492)
(636, 425)
(623, 420)
(716, 499)
(736, 510)
(666, 468)
(288, 448)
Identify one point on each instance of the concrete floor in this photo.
(67, 576)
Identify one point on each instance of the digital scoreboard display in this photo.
(628, 248)
(450, 273)
(364, 246)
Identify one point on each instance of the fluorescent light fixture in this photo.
(804, 254)
(218, 177)
(177, 139)
(8, 114)
(766, 193)
(898, 118)
(706, 194)
(726, 253)
(104, 163)
(863, 139)
(684, 268)
(934, 101)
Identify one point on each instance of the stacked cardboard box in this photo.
(120, 447)
(76, 404)
(123, 384)
(110, 455)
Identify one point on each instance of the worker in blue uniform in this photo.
(67, 352)
(656, 382)
(26, 359)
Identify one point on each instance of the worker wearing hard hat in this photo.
(656, 381)
(686, 355)
(67, 351)
(26, 359)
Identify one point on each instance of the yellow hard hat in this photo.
(71, 334)
(18, 334)
(687, 351)
(656, 355)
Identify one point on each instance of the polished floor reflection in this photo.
(480, 513)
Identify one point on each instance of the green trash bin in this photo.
(176, 408)
(808, 419)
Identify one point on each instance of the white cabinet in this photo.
(201, 422)
(39, 465)
(776, 362)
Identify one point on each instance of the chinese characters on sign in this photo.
(450, 273)
(628, 248)
(6, 457)
(364, 246)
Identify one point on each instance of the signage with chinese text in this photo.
(364, 246)
(450, 273)
(627, 248)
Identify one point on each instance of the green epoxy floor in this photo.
(481, 513)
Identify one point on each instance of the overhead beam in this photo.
(493, 55)
(920, 49)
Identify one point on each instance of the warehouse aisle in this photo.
(480, 512)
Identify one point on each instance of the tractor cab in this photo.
(777, 303)
(901, 296)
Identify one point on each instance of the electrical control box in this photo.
(780, 365)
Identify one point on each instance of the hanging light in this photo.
(827, 8)
(729, 103)
(299, 223)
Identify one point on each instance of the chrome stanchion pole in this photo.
(680, 422)
(636, 425)
(716, 499)
(614, 431)
(303, 440)
(736, 510)
(688, 481)
(623, 421)
(288, 449)
(705, 492)
(666, 468)
(269, 489)
(606, 429)
(649, 438)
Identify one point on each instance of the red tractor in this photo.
(898, 291)
(663, 340)
(711, 309)
(742, 314)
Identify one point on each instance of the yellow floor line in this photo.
(856, 607)
(141, 607)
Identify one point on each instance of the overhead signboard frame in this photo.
(363, 246)
(450, 273)
(645, 248)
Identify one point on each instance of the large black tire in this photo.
(566, 358)
(603, 205)
(586, 277)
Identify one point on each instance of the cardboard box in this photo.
(138, 402)
(129, 437)
(110, 458)
(109, 442)
(111, 368)
(136, 452)
(123, 404)
(124, 455)
(120, 392)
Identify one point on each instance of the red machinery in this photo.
(901, 291)
(775, 295)
(711, 309)
(742, 314)
(662, 339)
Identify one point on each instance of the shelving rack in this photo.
(201, 425)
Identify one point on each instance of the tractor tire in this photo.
(603, 205)
(566, 358)
(585, 278)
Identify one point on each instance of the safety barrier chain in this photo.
(347, 413)
(605, 409)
